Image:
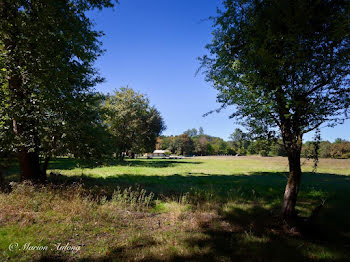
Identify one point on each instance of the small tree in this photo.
(183, 145)
(284, 65)
(133, 123)
(191, 132)
(200, 145)
(239, 140)
(325, 149)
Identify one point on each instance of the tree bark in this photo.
(29, 165)
(1, 179)
(44, 168)
(293, 184)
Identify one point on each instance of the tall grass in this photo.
(156, 210)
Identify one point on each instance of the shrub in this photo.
(263, 153)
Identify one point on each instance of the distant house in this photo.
(160, 153)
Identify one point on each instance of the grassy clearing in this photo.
(212, 209)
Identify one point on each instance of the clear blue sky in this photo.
(152, 46)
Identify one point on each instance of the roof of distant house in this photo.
(160, 151)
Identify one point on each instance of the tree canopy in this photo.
(47, 55)
(284, 65)
(133, 123)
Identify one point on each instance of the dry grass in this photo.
(124, 226)
(192, 216)
(336, 166)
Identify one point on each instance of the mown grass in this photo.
(199, 209)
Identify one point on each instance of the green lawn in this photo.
(204, 208)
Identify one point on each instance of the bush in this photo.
(242, 151)
(231, 151)
(252, 149)
(346, 155)
(340, 150)
(277, 149)
(325, 149)
(263, 153)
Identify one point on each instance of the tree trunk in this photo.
(29, 165)
(293, 184)
(2, 183)
(44, 168)
(29, 161)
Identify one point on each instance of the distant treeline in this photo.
(339, 149)
(195, 142)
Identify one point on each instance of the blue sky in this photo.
(152, 46)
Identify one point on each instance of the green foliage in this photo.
(210, 149)
(243, 144)
(277, 148)
(85, 138)
(200, 131)
(258, 146)
(132, 122)
(47, 55)
(339, 149)
(325, 149)
(183, 145)
(263, 153)
(190, 144)
(340, 140)
(282, 64)
(191, 132)
(240, 141)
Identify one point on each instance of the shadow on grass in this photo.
(262, 185)
(156, 163)
(249, 205)
(115, 254)
(257, 235)
(69, 163)
(63, 163)
(252, 234)
(257, 185)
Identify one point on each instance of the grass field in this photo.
(197, 209)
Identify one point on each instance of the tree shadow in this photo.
(115, 254)
(250, 234)
(262, 188)
(260, 185)
(256, 234)
(63, 163)
(249, 205)
(157, 163)
(70, 163)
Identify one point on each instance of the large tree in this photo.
(284, 65)
(133, 123)
(47, 52)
